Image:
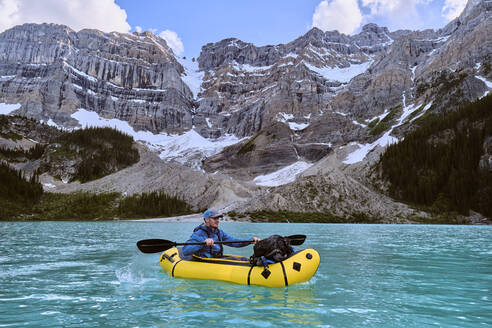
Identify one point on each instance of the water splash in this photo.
(138, 271)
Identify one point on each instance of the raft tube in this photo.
(298, 268)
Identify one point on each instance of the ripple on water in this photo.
(369, 276)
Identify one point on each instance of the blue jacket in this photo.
(203, 232)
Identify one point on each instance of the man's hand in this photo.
(256, 239)
(209, 242)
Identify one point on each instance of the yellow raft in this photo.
(298, 268)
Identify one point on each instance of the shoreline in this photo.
(197, 217)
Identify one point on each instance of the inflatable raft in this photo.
(300, 267)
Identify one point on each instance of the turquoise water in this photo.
(90, 274)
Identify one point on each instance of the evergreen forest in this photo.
(96, 152)
(22, 197)
(152, 204)
(438, 165)
(17, 154)
(18, 193)
(102, 150)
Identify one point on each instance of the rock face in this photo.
(449, 74)
(268, 151)
(52, 71)
(327, 86)
(245, 87)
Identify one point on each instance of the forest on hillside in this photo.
(438, 164)
(18, 193)
(102, 151)
(96, 152)
(22, 197)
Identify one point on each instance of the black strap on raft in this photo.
(285, 274)
(169, 258)
(174, 267)
(249, 275)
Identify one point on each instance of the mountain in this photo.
(275, 121)
(328, 87)
(52, 71)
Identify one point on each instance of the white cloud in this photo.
(104, 15)
(8, 13)
(396, 14)
(382, 7)
(341, 15)
(453, 8)
(385, 7)
(173, 41)
(138, 29)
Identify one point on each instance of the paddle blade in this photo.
(296, 240)
(154, 245)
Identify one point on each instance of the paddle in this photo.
(160, 245)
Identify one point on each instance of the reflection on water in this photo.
(252, 305)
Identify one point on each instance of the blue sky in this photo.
(264, 22)
(189, 24)
(200, 22)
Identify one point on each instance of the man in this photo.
(209, 233)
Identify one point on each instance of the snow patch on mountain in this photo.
(251, 69)
(359, 154)
(422, 112)
(283, 176)
(53, 124)
(294, 126)
(487, 83)
(379, 117)
(484, 80)
(6, 109)
(179, 147)
(297, 126)
(80, 73)
(192, 76)
(386, 140)
(190, 144)
(340, 74)
(284, 117)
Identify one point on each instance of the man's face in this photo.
(212, 222)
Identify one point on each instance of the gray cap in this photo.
(212, 213)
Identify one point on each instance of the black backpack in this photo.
(274, 248)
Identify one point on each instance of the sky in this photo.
(187, 25)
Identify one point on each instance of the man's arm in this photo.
(196, 237)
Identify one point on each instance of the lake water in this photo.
(90, 274)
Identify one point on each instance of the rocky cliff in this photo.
(322, 73)
(328, 87)
(52, 71)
